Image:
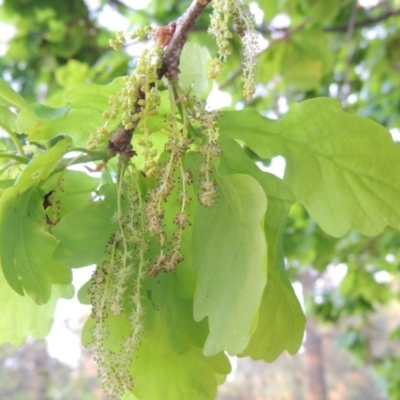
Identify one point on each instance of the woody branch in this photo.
(177, 33)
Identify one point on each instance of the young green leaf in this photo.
(9, 97)
(229, 246)
(7, 119)
(343, 168)
(321, 11)
(41, 122)
(41, 166)
(82, 115)
(129, 396)
(281, 320)
(171, 350)
(21, 317)
(193, 74)
(69, 191)
(26, 248)
(84, 233)
(305, 60)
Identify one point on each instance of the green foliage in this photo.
(282, 323)
(186, 229)
(234, 251)
(341, 167)
(9, 97)
(21, 317)
(305, 60)
(27, 256)
(193, 69)
(82, 114)
(175, 344)
(86, 224)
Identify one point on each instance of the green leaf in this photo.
(81, 117)
(10, 97)
(42, 166)
(229, 246)
(281, 320)
(83, 293)
(360, 283)
(129, 396)
(48, 113)
(41, 122)
(270, 63)
(281, 323)
(5, 184)
(321, 11)
(72, 73)
(21, 317)
(26, 248)
(343, 168)
(84, 233)
(7, 119)
(170, 352)
(110, 64)
(68, 191)
(88, 101)
(193, 74)
(270, 8)
(306, 59)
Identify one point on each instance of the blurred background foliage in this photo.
(344, 49)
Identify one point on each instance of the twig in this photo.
(184, 25)
(120, 141)
(363, 24)
(338, 29)
(272, 43)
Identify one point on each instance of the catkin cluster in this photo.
(141, 220)
(115, 290)
(139, 98)
(225, 11)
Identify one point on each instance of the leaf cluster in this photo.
(189, 254)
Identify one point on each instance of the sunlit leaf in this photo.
(343, 168)
(84, 233)
(21, 317)
(72, 73)
(82, 115)
(280, 319)
(169, 363)
(68, 191)
(193, 74)
(305, 60)
(26, 248)
(321, 11)
(7, 119)
(9, 97)
(171, 353)
(229, 246)
(41, 166)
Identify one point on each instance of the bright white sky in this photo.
(62, 342)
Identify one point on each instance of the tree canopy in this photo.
(113, 157)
